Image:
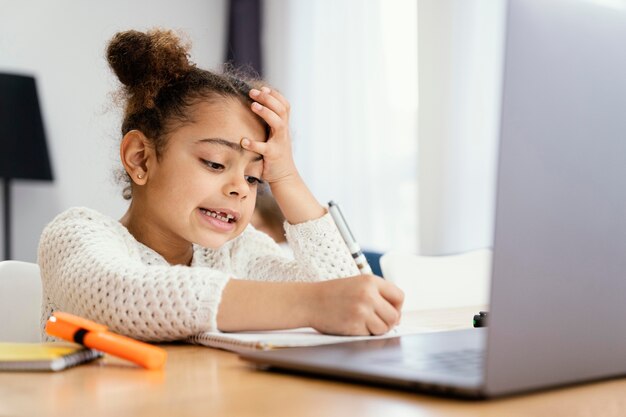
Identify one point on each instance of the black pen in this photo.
(346, 234)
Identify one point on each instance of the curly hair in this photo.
(161, 84)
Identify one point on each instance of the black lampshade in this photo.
(23, 149)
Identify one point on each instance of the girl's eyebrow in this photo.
(232, 145)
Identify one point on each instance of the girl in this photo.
(183, 259)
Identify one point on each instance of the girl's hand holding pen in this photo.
(355, 306)
(278, 164)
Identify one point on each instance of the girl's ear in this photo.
(136, 152)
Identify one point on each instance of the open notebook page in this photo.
(288, 338)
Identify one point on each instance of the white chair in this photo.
(431, 282)
(20, 301)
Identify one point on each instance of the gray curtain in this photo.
(243, 49)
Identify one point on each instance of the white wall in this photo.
(62, 44)
(460, 71)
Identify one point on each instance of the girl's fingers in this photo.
(392, 293)
(271, 100)
(272, 119)
(254, 146)
(387, 313)
(280, 98)
(376, 326)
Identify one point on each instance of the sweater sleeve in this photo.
(320, 254)
(90, 269)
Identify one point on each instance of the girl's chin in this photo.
(212, 233)
(214, 243)
(213, 240)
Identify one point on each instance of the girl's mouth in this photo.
(225, 217)
(218, 220)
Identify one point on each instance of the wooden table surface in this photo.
(199, 381)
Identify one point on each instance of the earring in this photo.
(140, 176)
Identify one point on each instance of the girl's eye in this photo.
(253, 180)
(213, 165)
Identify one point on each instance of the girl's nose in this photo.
(237, 187)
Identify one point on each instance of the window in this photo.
(349, 69)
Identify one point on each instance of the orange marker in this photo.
(96, 336)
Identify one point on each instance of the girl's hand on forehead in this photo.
(278, 164)
(294, 198)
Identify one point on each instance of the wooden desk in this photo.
(199, 381)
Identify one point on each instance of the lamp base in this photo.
(6, 187)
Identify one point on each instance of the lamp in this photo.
(23, 150)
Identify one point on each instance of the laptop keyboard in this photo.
(461, 362)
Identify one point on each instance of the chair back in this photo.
(431, 282)
(373, 258)
(20, 301)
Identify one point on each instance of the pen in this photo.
(346, 234)
(96, 336)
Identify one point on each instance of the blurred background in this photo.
(394, 105)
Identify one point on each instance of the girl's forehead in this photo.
(228, 118)
(216, 126)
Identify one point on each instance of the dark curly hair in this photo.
(160, 84)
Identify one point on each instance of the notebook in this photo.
(305, 336)
(43, 356)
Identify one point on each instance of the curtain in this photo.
(243, 49)
(349, 69)
(460, 67)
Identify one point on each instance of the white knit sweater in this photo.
(93, 267)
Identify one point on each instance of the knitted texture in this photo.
(93, 267)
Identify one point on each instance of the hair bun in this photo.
(145, 62)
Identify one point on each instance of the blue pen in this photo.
(346, 234)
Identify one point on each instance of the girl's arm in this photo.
(91, 267)
(319, 251)
(360, 305)
(355, 305)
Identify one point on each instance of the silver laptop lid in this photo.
(558, 299)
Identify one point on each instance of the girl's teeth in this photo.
(217, 216)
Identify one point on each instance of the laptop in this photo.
(558, 285)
